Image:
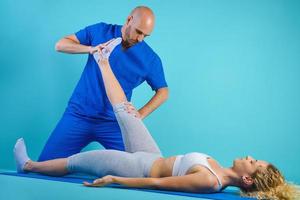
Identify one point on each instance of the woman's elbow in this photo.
(156, 183)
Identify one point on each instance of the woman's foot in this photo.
(108, 48)
(20, 154)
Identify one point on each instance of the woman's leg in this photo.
(56, 167)
(98, 163)
(135, 135)
(112, 162)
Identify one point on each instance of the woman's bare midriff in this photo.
(162, 167)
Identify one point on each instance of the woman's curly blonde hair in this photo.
(269, 183)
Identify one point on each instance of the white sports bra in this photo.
(184, 162)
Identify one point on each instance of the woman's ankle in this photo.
(29, 165)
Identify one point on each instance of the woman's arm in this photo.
(129, 182)
(188, 183)
(196, 182)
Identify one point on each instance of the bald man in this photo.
(89, 116)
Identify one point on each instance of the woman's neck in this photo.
(229, 177)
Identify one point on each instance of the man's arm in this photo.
(70, 44)
(160, 96)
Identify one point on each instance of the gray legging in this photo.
(141, 151)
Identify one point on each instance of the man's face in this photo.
(135, 32)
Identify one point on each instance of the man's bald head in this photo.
(144, 15)
(139, 24)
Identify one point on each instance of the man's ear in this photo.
(247, 180)
(129, 19)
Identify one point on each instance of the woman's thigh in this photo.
(106, 162)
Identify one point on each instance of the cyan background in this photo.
(232, 67)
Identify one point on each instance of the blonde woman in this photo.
(142, 164)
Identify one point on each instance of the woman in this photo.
(143, 166)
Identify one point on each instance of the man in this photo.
(89, 116)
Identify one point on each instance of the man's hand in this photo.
(93, 50)
(100, 46)
(104, 50)
(132, 110)
(100, 182)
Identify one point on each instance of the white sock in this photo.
(20, 154)
(108, 49)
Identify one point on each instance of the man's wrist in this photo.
(142, 113)
(90, 48)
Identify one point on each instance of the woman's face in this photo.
(248, 165)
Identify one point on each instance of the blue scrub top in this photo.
(131, 67)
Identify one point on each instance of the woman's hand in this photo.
(100, 182)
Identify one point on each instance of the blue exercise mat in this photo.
(224, 195)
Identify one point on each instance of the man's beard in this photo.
(127, 43)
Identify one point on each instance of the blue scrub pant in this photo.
(73, 132)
